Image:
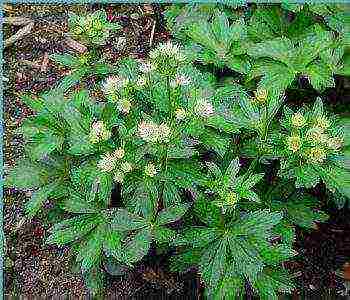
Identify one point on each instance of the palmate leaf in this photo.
(90, 252)
(38, 198)
(137, 246)
(125, 221)
(272, 281)
(72, 229)
(27, 174)
(320, 75)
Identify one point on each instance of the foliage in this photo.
(92, 28)
(122, 163)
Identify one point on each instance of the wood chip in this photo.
(45, 62)
(19, 34)
(73, 44)
(152, 34)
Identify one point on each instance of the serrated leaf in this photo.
(38, 198)
(126, 221)
(172, 214)
(138, 246)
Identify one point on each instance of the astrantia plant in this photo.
(158, 142)
(312, 150)
(91, 28)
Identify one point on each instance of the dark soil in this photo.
(33, 268)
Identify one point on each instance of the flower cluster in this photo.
(99, 132)
(151, 132)
(113, 84)
(204, 108)
(93, 28)
(166, 58)
(150, 170)
(112, 161)
(311, 138)
(180, 80)
(260, 96)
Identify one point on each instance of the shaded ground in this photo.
(33, 268)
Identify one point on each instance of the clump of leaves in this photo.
(120, 164)
(312, 149)
(92, 29)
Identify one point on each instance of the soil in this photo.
(33, 268)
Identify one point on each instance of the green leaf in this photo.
(163, 235)
(213, 263)
(72, 79)
(307, 176)
(91, 252)
(172, 214)
(171, 196)
(126, 221)
(72, 229)
(66, 60)
(34, 103)
(197, 236)
(138, 246)
(26, 174)
(279, 49)
(38, 198)
(320, 76)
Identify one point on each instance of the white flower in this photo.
(119, 176)
(298, 120)
(126, 167)
(99, 132)
(163, 132)
(167, 50)
(114, 83)
(148, 131)
(146, 67)
(141, 81)
(180, 114)
(180, 80)
(107, 163)
(150, 170)
(124, 106)
(204, 108)
(119, 153)
(335, 143)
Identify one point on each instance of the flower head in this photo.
(119, 176)
(180, 80)
(150, 170)
(204, 108)
(167, 49)
(314, 135)
(180, 114)
(231, 198)
(114, 83)
(261, 95)
(146, 67)
(126, 167)
(298, 120)
(141, 81)
(119, 153)
(294, 143)
(107, 163)
(322, 123)
(124, 106)
(99, 132)
(335, 143)
(163, 132)
(148, 131)
(316, 155)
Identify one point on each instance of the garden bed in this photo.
(33, 268)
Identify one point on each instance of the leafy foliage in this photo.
(217, 168)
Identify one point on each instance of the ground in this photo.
(33, 268)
